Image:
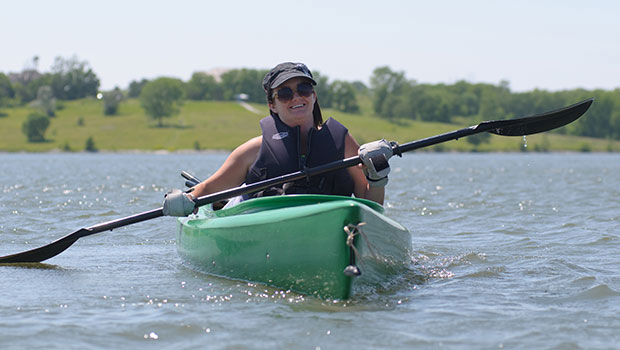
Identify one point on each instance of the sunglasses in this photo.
(286, 94)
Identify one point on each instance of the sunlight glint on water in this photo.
(518, 247)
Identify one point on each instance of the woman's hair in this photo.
(317, 116)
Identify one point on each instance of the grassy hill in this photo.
(224, 125)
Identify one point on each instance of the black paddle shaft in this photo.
(510, 127)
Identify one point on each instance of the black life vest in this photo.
(280, 154)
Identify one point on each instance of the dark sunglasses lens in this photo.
(285, 94)
(304, 89)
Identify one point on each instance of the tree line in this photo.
(391, 94)
(69, 79)
(246, 84)
(395, 96)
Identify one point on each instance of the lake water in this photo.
(512, 251)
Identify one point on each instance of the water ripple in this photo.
(601, 291)
(508, 250)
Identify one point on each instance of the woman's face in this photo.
(297, 110)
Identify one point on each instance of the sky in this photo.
(551, 45)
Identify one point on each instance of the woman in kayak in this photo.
(294, 136)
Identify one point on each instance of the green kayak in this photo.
(311, 244)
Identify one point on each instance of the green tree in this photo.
(359, 86)
(429, 103)
(323, 90)
(6, 90)
(343, 97)
(27, 83)
(73, 79)
(35, 126)
(90, 145)
(111, 101)
(162, 98)
(491, 104)
(202, 86)
(599, 118)
(615, 123)
(45, 101)
(243, 81)
(386, 86)
(135, 88)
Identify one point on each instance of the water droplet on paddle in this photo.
(524, 141)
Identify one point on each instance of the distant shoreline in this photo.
(219, 126)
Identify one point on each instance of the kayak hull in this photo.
(296, 243)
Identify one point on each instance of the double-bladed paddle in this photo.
(511, 127)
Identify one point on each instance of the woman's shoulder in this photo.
(254, 141)
(248, 150)
(250, 145)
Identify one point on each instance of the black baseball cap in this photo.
(283, 72)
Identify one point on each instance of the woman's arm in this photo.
(234, 170)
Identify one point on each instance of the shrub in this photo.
(111, 100)
(35, 126)
(90, 145)
(585, 147)
(478, 139)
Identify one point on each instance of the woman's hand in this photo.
(178, 203)
(375, 156)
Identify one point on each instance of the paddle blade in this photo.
(538, 123)
(45, 252)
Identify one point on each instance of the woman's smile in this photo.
(297, 110)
